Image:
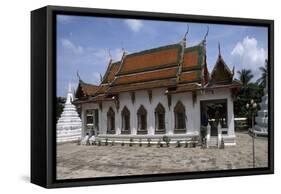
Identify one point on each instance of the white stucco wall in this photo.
(158, 95)
(141, 98)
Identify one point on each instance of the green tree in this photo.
(245, 76)
(261, 81)
(59, 108)
(247, 92)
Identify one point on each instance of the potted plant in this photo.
(106, 141)
(159, 143)
(148, 142)
(185, 144)
(131, 142)
(178, 144)
(167, 140)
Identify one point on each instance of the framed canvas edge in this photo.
(38, 93)
(51, 181)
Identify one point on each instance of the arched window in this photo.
(125, 121)
(159, 119)
(142, 120)
(110, 121)
(180, 117)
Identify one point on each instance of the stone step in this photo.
(213, 142)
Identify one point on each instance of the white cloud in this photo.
(249, 55)
(67, 44)
(134, 25)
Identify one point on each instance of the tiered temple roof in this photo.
(148, 69)
(85, 90)
(174, 67)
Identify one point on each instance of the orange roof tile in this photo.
(102, 89)
(100, 97)
(155, 68)
(111, 71)
(151, 59)
(190, 76)
(147, 76)
(187, 87)
(191, 59)
(87, 89)
(142, 86)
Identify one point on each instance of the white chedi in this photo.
(261, 127)
(69, 124)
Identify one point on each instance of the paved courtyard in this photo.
(77, 161)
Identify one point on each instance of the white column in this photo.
(150, 118)
(170, 123)
(83, 118)
(219, 135)
(230, 115)
(133, 119)
(118, 121)
(101, 120)
(208, 134)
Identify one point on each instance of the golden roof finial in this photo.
(78, 76)
(205, 37)
(109, 54)
(187, 30)
(219, 46)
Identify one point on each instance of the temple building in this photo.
(163, 91)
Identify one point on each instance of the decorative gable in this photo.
(221, 74)
(85, 90)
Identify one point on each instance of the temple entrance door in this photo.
(214, 112)
(214, 128)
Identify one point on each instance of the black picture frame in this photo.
(43, 90)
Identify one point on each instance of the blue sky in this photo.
(83, 44)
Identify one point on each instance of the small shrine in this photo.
(69, 124)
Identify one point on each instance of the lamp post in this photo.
(252, 111)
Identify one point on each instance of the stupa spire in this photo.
(69, 94)
(69, 124)
(69, 87)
